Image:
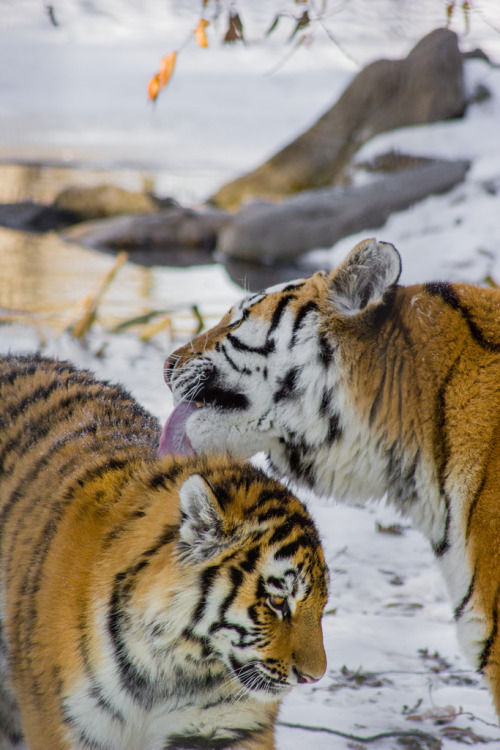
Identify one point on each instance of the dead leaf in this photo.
(167, 65)
(200, 34)
(440, 714)
(160, 80)
(393, 528)
(449, 12)
(234, 32)
(154, 87)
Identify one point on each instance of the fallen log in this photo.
(425, 87)
(269, 232)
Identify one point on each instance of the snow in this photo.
(76, 93)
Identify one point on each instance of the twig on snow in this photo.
(433, 743)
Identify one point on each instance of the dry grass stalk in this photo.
(88, 307)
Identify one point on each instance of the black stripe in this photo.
(84, 739)
(102, 702)
(279, 310)
(237, 577)
(224, 490)
(309, 541)
(268, 348)
(207, 579)
(474, 503)
(448, 294)
(167, 477)
(442, 456)
(303, 311)
(275, 494)
(131, 680)
(293, 286)
(486, 652)
(324, 406)
(19, 492)
(272, 514)
(249, 563)
(34, 430)
(459, 610)
(230, 361)
(210, 742)
(285, 529)
(25, 621)
(326, 349)
(287, 384)
(334, 429)
(226, 399)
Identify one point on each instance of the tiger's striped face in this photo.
(262, 581)
(256, 372)
(275, 375)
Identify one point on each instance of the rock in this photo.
(425, 87)
(103, 200)
(178, 227)
(318, 218)
(34, 217)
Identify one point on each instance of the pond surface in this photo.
(44, 279)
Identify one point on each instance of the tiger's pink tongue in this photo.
(173, 438)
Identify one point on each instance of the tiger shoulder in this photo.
(145, 602)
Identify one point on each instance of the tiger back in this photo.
(145, 603)
(360, 387)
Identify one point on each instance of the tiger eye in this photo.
(277, 601)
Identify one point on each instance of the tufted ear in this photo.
(201, 533)
(370, 270)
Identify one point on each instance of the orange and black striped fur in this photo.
(357, 386)
(146, 604)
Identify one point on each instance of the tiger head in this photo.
(274, 374)
(252, 552)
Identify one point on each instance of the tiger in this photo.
(145, 603)
(359, 387)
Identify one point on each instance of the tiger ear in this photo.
(201, 532)
(370, 270)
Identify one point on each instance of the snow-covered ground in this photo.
(77, 92)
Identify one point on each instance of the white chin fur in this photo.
(216, 431)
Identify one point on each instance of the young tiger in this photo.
(146, 604)
(357, 386)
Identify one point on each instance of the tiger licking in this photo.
(357, 386)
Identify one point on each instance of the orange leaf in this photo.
(167, 65)
(199, 33)
(154, 87)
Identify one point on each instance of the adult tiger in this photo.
(145, 603)
(357, 386)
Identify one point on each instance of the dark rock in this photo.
(425, 87)
(318, 218)
(178, 227)
(34, 217)
(104, 200)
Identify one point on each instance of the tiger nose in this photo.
(303, 678)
